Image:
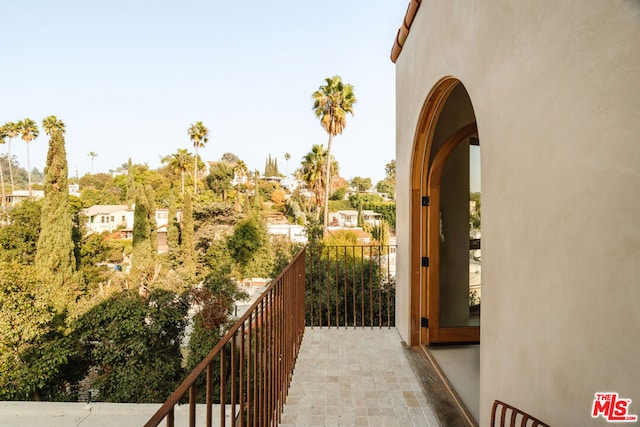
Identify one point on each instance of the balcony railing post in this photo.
(209, 389)
(362, 284)
(192, 406)
(241, 381)
(223, 386)
(234, 383)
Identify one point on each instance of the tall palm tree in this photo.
(179, 162)
(331, 103)
(13, 130)
(3, 135)
(93, 155)
(199, 135)
(29, 131)
(287, 156)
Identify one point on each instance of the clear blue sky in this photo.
(129, 77)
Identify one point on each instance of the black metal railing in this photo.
(350, 286)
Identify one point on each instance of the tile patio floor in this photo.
(355, 377)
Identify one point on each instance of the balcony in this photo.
(319, 347)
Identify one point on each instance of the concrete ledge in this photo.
(100, 414)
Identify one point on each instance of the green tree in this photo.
(215, 299)
(230, 158)
(271, 167)
(360, 183)
(475, 215)
(331, 103)
(179, 162)
(12, 130)
(55, 258)
(384, 186)
(339, 194)
(19, 237)
(249, 236)
(29, 131)
(199, 135)
(142, 268)
(3, 135)
(219, 178)
(134, 343)
(188, 247)
(93, 155)
(313, 172)
(361, 199)
(173, 232)
(32, 354)
(388, 184)
(153, 225)
(201, 342)
(101, 189)
(380, 233)
(131, 185)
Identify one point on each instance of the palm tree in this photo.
(287, 156)
(313, 172)
(93, 155)
(13, 130)
(331, 103)
(51, 124)
(29, 131)
(3, 135)
(179, 162)
(199, 135)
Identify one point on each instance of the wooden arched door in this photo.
(439, 331)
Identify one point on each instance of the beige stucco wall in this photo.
(555, 86)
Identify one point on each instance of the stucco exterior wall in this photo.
(555, 87)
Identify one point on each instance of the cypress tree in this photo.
(153, 225)
(142, 268)
(131, 185)
(271, 167)
(173, 230)
(188, 248)
(384, 233)
(55, 260)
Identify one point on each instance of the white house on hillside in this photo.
(119, 217)
(18, 196)
(108, 218)
(295, 233)
(349, 218)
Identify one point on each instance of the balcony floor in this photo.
(355, 377)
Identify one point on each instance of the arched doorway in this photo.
(445, 261)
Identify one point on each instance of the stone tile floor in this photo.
(355, 377)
